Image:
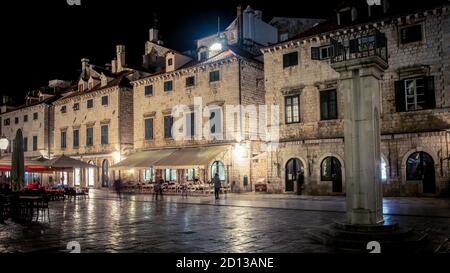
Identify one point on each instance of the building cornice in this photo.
(345, 30)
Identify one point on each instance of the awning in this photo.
(144, 159)
(65, 162)
(31, 165)
(186, 158)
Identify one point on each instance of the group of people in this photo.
(158, 187)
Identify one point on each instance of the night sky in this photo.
(43, 40)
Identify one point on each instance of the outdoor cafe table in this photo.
(30, 203)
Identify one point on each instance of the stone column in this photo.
(359, 81)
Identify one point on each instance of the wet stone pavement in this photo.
(104, 223)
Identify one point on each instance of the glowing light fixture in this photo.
(239, 151)
(116, 156)
(215, 47)
(4, 143)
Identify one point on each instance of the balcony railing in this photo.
(360, 44)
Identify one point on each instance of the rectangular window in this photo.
(104, 134)
(148, 129)
(35, 143)
(6, 122)
(35, 116)
(170, 62)
(322, 53)
(16, 120)
(190, 81)
(190, 125)
(170, 175)
(25, 144)
(292, 109)
(415, 94)
(105, 100)
(215, 121)
(203, 55)
(290, 59)
(168, 86)
(63, 109)
(25, 118)
(76, 138)
(214, 76)
(411, 34)
(148, 90)
(63, 139)
(89, 103)
(192, 175)
(168, 122)
(328, 105)
(89, 136)
(76, 106)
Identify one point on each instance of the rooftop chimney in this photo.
(84, 68)
(153, 35)
(120, 51)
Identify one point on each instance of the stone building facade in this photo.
(415, 116)
(226, 80)
(93, 122)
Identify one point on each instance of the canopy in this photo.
(31, 165)
(144, 159)
(65, 162)
(186, 158)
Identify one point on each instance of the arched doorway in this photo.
(90, 175)
(218, 167)
(294, 173)
(330, 170)
(420, 167)
(105, 173)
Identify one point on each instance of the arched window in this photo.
(330, 169)
(90, 175)
(218, 167)
(105, 173)
(417, 165)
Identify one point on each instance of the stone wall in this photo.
(310, 139)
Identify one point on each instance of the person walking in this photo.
(118, 187)
(158, 189)
(300, 182)
(217, 184)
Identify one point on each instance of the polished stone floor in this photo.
(235, 223)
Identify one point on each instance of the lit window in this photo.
(292, 109)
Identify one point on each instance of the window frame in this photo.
(63, 139)
(91, 138)
(168, 84)
(105, 100)
(288, 60)
(189, 84)
(291, 97)
(336, 113)
(166, 135)
(90, 103)
(76, 144)
(214, 76)
(35, 143)
(407, 42)
(150, 136)
(104, 134)
(148, 88)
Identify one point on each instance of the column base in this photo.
(391, 237)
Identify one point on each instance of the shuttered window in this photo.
(415, 94)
